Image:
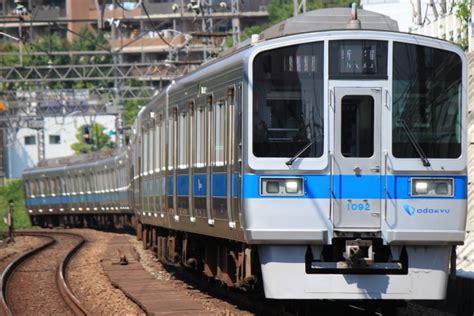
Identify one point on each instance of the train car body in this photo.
(338, 156)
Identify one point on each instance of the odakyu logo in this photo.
(410, 210)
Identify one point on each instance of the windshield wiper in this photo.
(299, 153)
(415, 144)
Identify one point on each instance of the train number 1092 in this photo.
(358, 206)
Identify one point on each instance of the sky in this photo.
(399, 10)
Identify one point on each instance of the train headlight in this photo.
(292, 186)
(421, 187)
(432, 187)
(281, 186)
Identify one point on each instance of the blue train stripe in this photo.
(199, 185)
(182, 185)
(315, 187)
(352, 187)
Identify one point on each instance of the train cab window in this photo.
(288, 101)
(357, 126)
(427, 100)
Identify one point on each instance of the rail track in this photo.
(36, 281)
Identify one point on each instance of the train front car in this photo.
(355, 184)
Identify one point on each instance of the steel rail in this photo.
(61, 280)
(7, 273)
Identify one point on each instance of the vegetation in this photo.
(13, 190)
(92, 138)
(463, 13)
(131, 109)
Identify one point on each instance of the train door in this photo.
(356, 159)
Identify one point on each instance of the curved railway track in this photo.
(41, 270)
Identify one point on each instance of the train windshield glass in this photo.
(288, 111)
(426, 101)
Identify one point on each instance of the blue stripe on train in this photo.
(316, 187)
(352, 187)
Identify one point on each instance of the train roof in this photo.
(330, 19)
(75, 162)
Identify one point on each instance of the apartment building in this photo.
(191, 30)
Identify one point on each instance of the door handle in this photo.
(375, 169)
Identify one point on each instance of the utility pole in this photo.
(418, 12)
(235, 22)
(299, 7)
(207, 26)
(116, 105)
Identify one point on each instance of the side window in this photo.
(163, 144)
(200, 137)
(144, 150)
(183, 141)
(28, 188)
(210, 128)
(157, 146)
(151, 132)
(220, 127)
(191, 152)
(171, 141)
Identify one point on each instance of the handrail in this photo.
(385, 182)
(331, 193)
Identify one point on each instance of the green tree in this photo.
(131, 110)
(91, 40)
(94, 140)
(13, 190)
(464, 15)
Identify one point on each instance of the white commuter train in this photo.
(330, 161)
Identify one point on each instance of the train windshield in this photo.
(288, 111)
(427, 101)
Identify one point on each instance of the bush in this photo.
(13, 190)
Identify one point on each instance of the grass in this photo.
(13, 190)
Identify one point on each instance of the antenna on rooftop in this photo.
(354, 23)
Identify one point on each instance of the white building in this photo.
(59, 135)
(403, 11)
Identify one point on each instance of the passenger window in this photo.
(357, 126)
(157, 146)
(144, 150)
(200, 117)
(163, 142)
(150, 149)
(171, 142)
(183, 141)
(220, 113)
